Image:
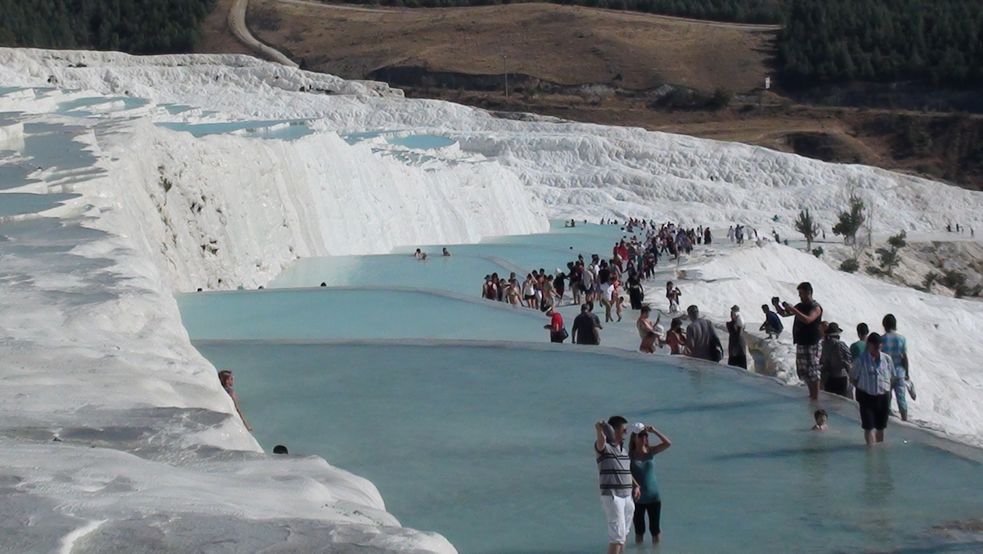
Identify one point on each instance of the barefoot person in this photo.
(649, 501)
(673, 293)
(701, 338)
(773, 324)
(227, 380)
(558, 332)
(835, 362)
(895, 346)
(618, 488)
(584, 328)
(736, 344)
(872, 377)
(646, 330)
(676, 338)
(806, 335)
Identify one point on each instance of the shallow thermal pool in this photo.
(20, 203)
(491, 446)
(274, 129)
(352, 313)
(392, 270)
(422, 142)
(489, 443)
(463, 270)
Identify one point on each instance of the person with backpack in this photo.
(835, 362)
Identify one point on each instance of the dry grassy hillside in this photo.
(215, 35)
(565, 45)
(551, 51)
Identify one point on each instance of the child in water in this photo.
(820, 417)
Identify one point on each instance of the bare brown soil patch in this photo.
(566, 45)
(607, 67)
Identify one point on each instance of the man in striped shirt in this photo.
(618, 488)
(873, 376)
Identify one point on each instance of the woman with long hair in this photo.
(649, 502)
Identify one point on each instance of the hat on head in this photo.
(637, 428)
(833, 329)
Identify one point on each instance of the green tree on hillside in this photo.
(807, 226)
(851, 220)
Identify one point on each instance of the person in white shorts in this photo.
(618, 487)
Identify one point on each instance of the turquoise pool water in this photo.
(463, 270)
(355, 138)
(490, 445)
(394, 270)
(19, 203)
(272, 129)
(79, 105)
(387, 372)
(352, 313)
(422, 142)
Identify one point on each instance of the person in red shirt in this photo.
(558, 333)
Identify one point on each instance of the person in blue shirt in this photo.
(874, 376)
(773, 324)
(859, 347)
(895, 346)
(649, 501)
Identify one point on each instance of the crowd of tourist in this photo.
(870, 370)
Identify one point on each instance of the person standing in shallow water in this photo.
(227, 380)
(736, 345)
(646, 331)
(649, 501)
(836, 362)
(673, 293)
(583, 330)
(872, 375)
(618, 488)
(676, 338)
(701, 338)
(806, 335)
(557, 331)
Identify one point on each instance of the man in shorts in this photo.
(618, 487)
(873, 376)
(806, 334)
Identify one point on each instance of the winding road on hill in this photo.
(237, 24)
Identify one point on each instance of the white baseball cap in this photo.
(637, 428)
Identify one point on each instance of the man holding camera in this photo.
(806, 334)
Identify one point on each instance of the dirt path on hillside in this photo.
(237, 24)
